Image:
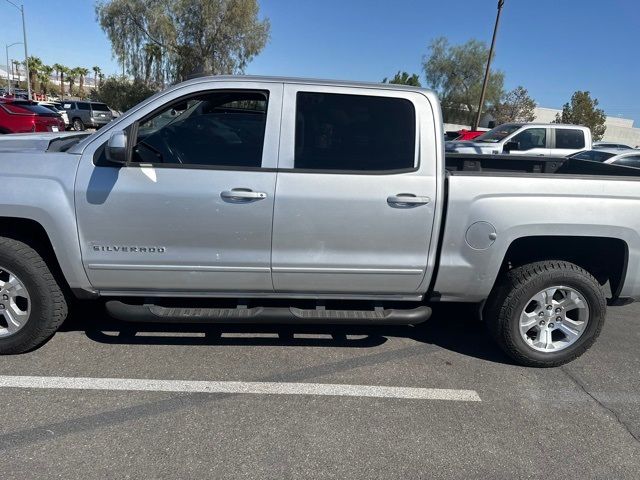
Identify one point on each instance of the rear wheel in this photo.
(546, 314)
(78, 125)
(32, 305)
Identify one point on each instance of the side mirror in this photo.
(511, 146)
(116, 150)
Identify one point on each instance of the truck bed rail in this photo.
(461, 162)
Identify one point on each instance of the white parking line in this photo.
(260, 388)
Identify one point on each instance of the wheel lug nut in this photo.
(558, 310)
(551, 325)
(5, 297)
(541, 314)
(542, 322)
(549, 307)
(1, 306)
(558, 319)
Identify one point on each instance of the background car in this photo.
(616, 156)
(87, 114)
(469, 134)
(619, 146)
(57, 107)
(23, 116)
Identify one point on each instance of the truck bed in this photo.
(461, 163)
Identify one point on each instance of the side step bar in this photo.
(287, 315)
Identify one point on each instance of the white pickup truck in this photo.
(255, 199)
(533, 139)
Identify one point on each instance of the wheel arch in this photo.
(33, 233)
(606, 258)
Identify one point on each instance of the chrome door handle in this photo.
(407, 199)
(240, 194)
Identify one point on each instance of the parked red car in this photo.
(22, 116)
(469, 134)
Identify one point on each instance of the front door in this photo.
(532, 141)
(192, 211)
(355, 202)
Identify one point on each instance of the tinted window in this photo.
(531, 138)
(354, 132)
(100, 107)
(633, 161)
(569, 138)
(593, 155)
(215, 129)
(83, 106)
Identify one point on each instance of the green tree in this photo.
(121, 94)
(456, 73)
(72, 74)
(61, 71)
(403, 78)
(35, 65)
(168, 40)
(583, 110)
(44, 77)
(82, 73)
(96, 73)
(517, 106)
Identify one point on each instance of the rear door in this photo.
(356, 191)
(567, 141)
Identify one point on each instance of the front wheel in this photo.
(32, 305)
(546, 314)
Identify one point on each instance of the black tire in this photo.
(78, 125)
(511, 295)
(48, 304)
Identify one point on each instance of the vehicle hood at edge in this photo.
(39, 142)
(473, 147)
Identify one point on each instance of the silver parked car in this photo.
(627, 158)
(619, 146)
(87, 114)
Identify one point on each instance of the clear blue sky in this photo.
(551, 47)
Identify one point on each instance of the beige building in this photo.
(619, 130)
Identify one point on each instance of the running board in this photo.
(289, 315)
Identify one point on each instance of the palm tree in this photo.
(35, 66)
(72, 74)
(82, 73)
(61, 70)
(44, 76)
(16, 69)
(96, 73)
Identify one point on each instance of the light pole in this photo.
(486, 73)
(26, 54)
(8, 78)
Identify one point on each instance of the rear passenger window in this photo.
(83, 106)
(569, 138)
(354, 132)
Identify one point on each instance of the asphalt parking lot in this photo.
(469, 412)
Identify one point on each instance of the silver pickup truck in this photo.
(250, 199)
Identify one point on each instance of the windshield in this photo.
(497, 134)
(593, 155)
